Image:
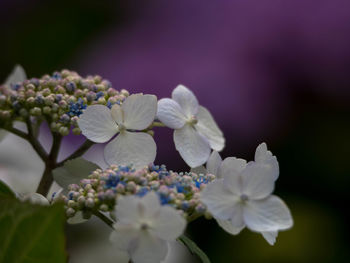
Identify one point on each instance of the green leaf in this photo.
(194, 249)
(5, 191)
(73, 171)
(31, 233)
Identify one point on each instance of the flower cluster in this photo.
(148, 205)
(102, 188)
(59, 98)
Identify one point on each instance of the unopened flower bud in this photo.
(36, 111)
(89, 203)
(70, 212)
(64, 131)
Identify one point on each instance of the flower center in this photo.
(244, 198)
(121, 127)
(144, 226)
(192, 120)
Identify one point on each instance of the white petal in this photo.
(168, 224)
(269, 214)
(36, 199)
(193, 148)
(258, 181)
(213, 163)
(208, 128)
(270, 237)
(220, 201)
(170, 113)
(136, 148)
(139, 111)
(2, 134)
(148, 249)
(17, 75)
(199, 170)
(127, 209)
(228, 226)
(149, 205)
(124, 236)
(117, 114)
(263, 156)
(97, 124)
(186, 99)
(230, 170)
(77, 219)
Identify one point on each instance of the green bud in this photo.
(47, 110)
(23, 112)
(76, 131)
(64, 131)
(35, 111)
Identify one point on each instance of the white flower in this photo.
(144, 227)
(99, 124)
(195, 129)
(17, 75)
(241, 197)
(33, 198)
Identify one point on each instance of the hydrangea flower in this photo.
(99, 124)
(241, 197)
(101, 189)
(144, 227)
(59, 98)
(196, 132)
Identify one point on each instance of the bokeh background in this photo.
(273, 71)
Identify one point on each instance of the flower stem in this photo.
(157, 124)
(193, 217)
(50, 164)
(17, 132)
(79, 152)
(34, 142)
(104, 218)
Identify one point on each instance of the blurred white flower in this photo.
(241, 196)
(212, 166)
(145, 227)
(99, 124)
(195, 129)
(33, 198)
(2, 134)
(17, 75)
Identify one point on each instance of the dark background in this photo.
(273, 71)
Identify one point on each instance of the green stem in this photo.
(50, 164)
(34, 142)
(79, 152)
(104, 218)
(157, 124)
(17, 132)
(193, 217)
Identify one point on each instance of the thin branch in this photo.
(47, 178)
(79, 152)
(104, 218)
(34, 142)
(193, 217)
(17, 132)
(56, 143)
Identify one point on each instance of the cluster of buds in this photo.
(59, 99)
(101, 190)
